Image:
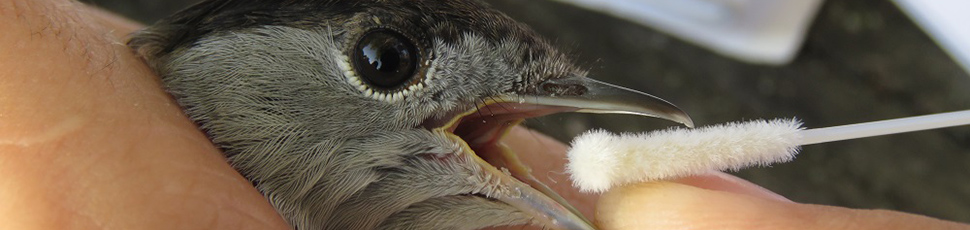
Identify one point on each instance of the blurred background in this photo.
(861, 61)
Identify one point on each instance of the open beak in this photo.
(481, 130)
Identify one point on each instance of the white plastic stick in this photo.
(884, 127)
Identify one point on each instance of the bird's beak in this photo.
(591, 96)
(481, 130)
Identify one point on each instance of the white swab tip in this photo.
(599, 160)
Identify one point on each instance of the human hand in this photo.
(88, 139)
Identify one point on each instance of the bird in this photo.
(378, 114)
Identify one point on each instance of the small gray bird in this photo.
(378, 114)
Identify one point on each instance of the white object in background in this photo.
(599, 160)
(947, 21)
(756, 31)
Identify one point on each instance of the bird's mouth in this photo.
(482, 129)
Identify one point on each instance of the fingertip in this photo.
(669, 205)
(721, 181)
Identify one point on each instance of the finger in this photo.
(90, 140)
(721, 181)
(668, 205)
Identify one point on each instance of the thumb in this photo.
(669, 205)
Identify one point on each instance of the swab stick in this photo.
(599, 160)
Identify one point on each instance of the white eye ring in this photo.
(390, 97)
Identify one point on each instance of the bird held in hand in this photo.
(367, 114)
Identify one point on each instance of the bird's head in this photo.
(360, 114)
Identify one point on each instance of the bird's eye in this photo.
(385, 59)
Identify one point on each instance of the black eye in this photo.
(385, 59)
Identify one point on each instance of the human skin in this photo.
(90, 140)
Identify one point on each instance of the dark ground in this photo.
(862, 61)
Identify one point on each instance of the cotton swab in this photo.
(599, 160)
